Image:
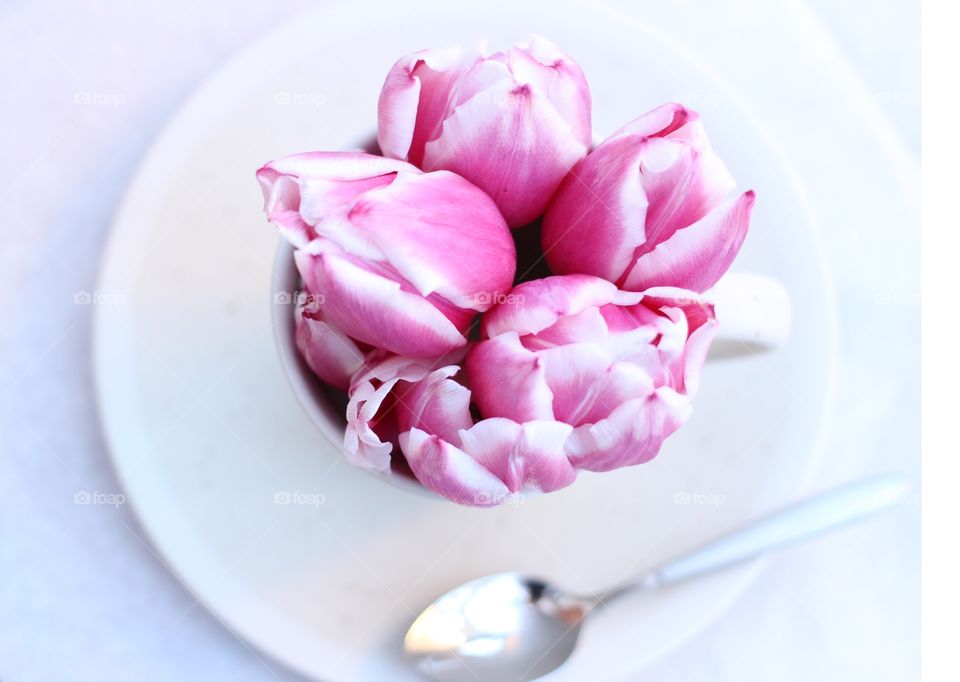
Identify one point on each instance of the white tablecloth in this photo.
(86, 86)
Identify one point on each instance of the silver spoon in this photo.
(510, 626)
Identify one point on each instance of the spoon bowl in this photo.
(505, 621)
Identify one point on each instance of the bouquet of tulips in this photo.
(481, 379)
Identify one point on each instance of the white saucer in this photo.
(209, 442)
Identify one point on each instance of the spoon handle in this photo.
(796, 522)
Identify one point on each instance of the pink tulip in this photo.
(619, 367)
(572, 374)
(401, 260)
(647, 208)
(426, 412)
(513, 123)
(372, 432)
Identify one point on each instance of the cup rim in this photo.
(306, 386)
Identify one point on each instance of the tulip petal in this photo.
(553, 73)
(441, 234)
(526, 457)
(632, 434)
(332, 355)
(310, 167)
(373, 410)
(597, 216)
(634, 335)
(375, 309)
(533, 306)
(512, 143)
(695, 354)
(281, 202)
(363, 444)
(695, 306)
(449, 471)
(682, 184)
(508, 380)
(572, 372)
(695, 257)
(302, 189)
(414, 100)
(666, 119)
(435, 404)
(587, 325)
(701, 325)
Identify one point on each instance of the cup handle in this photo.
(753, 312)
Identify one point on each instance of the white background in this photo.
(83, 90)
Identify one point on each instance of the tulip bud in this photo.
(370, 437)
(426, 411)
(479, 464)
(647, 208)
(401, 260)
(513, 123)
(618, 367)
